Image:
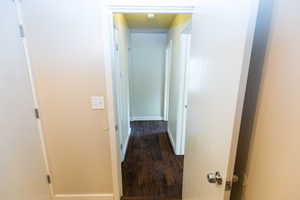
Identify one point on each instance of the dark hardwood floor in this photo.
(151, 170)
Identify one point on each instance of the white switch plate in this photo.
(97, 102)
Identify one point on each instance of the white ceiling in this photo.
(141, 21)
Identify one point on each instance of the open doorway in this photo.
(150, 60)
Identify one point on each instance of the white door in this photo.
(22, 170)
(220, 50)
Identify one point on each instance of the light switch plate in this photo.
(97, 102)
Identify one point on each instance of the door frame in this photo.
(168, 60)
(117, 86)
(166, 6)
(183, 104)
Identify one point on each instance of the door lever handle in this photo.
(215, 178)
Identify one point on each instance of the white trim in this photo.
(126, 144)
(172, 141)
(112, 120)
(185, 39)
(84, 196)
(147, 30)
(168, 59)
(142, 6)
(146, 118)
(122, 6)
(117, 85)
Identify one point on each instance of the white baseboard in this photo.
(129, 131)
(83, 197)
(149, 30)
(172, 141)
(146, 118)
(126, 144)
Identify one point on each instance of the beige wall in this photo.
(66, 49)
(274, 161)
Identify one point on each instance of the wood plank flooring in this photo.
(151, 170)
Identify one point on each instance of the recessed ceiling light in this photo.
(150, 15)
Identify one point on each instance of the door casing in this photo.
(166, 6)
(168, 59)
(183, 103)
(174, 6)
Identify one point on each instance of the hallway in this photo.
(150, 166)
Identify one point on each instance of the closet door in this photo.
(22, 170)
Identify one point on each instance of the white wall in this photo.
(146, 74)
(177, 71)
(274, 161)
(123, 79)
